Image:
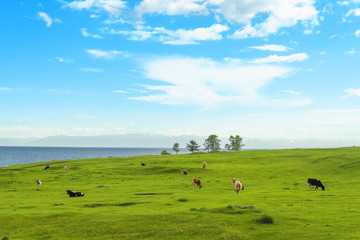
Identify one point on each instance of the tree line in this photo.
(212, 143)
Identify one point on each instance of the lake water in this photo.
(21, 155)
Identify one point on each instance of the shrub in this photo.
(265, 219)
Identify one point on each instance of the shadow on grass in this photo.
(95, 205)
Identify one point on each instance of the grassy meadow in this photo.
(157, 202)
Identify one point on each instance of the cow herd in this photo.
(238, 185)
(196, 182)
(69, 192)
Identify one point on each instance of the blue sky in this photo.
(263, 69)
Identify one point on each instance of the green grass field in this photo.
(157, 202)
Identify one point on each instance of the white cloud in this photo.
(112, 7)
(4, 89)
(353, 12)
(60, 59)
(343, 3)
(350, 52)
(290, 92)
(357, 33)
(91, 70)
(204, 81)
(171, 7)
(46, 18)
(278, 59)
(26, 131)
(85, 33)
(59, 91)
(120, 91)
(275, 14)
(271, 47)
(177, 37)
(279, 14)
(182, 36)
(351, 92)
(96, 53)
(84, 117)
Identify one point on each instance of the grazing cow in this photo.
(315, 182)
(143, 164)
(233, 181)
(184, 173)
(47, 167)
(38, 183)
(74, 194)
(196, 182)
(66, 169)
(238, 185)
(204, 164)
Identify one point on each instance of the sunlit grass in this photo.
(124, 200)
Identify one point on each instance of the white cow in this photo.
(38, 183)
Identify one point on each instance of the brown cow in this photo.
(196, 182)
(204, 164)
(238, 185)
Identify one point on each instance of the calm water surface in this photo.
(21, 155)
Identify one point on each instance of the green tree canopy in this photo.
(176, 147)
(236, 143)
(164, 152)
(212, 143)
(192, 146)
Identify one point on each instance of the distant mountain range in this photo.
(123, 140)
(154, 141)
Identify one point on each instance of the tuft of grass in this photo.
(182, 200)
(229, 209)
(266, 219)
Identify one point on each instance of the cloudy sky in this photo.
(263, 69)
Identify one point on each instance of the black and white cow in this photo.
(315, 182)
(74, 194)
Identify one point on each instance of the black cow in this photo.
(47, 167)
(74, 194)
(315, 182)
(184, 173)
(143, 164)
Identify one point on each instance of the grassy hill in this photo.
(157, 202)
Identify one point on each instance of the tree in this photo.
(236, 143)
(164, 152)
(176, 148)
(192, 146)
(212, 143)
